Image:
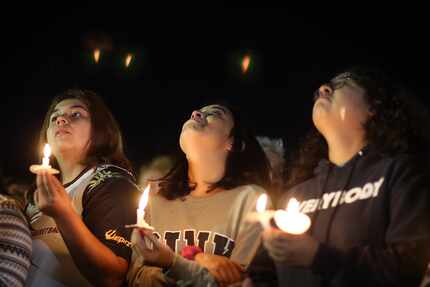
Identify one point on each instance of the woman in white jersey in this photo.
(203, 202)
(78, 219)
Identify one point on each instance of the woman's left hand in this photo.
(50, 196)
(159, 255)
(292, 250)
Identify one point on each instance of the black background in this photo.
(185, 57)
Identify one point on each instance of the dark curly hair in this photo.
(246, 164)
(399, 124)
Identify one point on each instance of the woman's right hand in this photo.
(222, 268)
(158, 254)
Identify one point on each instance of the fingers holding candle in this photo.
(153, 251)
(293, 250)
(50, 196)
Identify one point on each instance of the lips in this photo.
(61, 132)
(326, 97)
(193, 124)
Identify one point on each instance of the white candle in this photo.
(45, 166)
(46, 155)
(261, 203)
(142, 204)
(262, 215)
(292, 220)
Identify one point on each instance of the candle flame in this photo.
(245, 63)
(144, 198)
(47, 151)
(128, 60)
(291, 220)
(293, 206)
(261, 203)
(96, 55)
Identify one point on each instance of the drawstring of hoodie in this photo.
(331, 218)
(314, 216)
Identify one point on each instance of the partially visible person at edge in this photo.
(361, 177)
(78, 219)
(15, 240)
(203, 202)
(151, 173)
(275, 153)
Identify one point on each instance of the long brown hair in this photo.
(106, 145)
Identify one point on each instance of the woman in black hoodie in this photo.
(361, 178)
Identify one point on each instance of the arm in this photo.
(15, 245)
(398, 260)
(96, 260)
(402, 258)
(162, 256)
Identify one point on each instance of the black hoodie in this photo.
(372, 219)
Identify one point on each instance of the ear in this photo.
(371, 113)
(230, 144)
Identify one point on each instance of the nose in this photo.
(61, 120)
(325, 90)
(197, 116)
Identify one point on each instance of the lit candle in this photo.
(245, 63)
(142, 204)
(262, 215)
(261, 203)
(292, 220)
(128, 60)
(96, 55)
(46, 155)
(37, 168)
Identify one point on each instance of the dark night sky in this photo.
(186, 57)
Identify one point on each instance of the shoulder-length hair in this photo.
(246, 164)
(399, 124)
(106, 144)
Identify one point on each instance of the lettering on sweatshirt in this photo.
(332, 199)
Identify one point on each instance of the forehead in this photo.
(68, 104)
(217, 107)
(346, 80)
